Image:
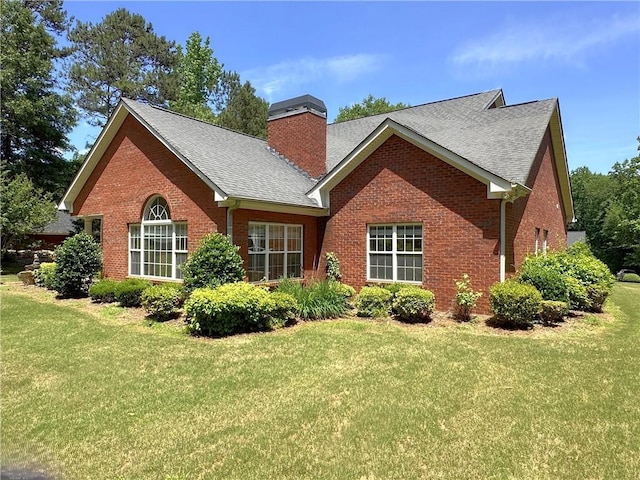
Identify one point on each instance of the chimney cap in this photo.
(307, 102)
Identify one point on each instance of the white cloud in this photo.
(559, 42)
(291, 75)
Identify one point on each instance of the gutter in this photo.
(230, 210)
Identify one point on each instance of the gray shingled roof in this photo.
(240, 165)
(503, 141)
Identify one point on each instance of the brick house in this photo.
(420, 195)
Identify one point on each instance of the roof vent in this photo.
(296, 105)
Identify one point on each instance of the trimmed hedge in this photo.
(163, 301)
(45, 275)
(374, 302)
(237, 307)
(129, 291)
(628, 277)
(515, 303)
(553, 311)
(414, 304)
(78, 261)
(104, 291)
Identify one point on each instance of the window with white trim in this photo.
(394, 253)
(275, 251)
(537, 241)
(157, 245)
(545, 234)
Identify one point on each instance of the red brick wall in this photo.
(241, 219)
(400, 183)
(135, 167)
(302, 138)
(542, 209)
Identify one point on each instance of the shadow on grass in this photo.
(495, 322)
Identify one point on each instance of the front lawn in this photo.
(101, 394)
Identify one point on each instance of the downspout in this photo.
(503, 238)
(230, 211)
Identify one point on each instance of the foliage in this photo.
(631, 277)
(317, 300)
(515, 303)
(608, 208)
(414, 304)
(244, 111)
(394, 288)
(78, 260)
(553, 311)
(369, 106)
(129, 292)
(235, 308)
(465, 300)
(44, 275)
(24, 209)
(121, 56)
(347, 290)
(374, 302)
(543, 272)
(333, 267)
(284, 310)
(163, 301)
(36, 115)
(199, 73)
(215, 262)
(104, 291)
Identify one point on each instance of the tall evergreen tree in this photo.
(36, 116)
(120, 57)
(245, 111)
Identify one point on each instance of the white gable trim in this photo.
(562, 166)
(253, 204)
(102, 143)
(496, 186)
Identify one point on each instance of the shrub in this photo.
(414, 304)
(515, 303)
(129, 292)
(577, 294)
(333, 267)
(163, 301)
(593, 274)
(544, 273)
(284, 309)
(235, 307)
(631, 277)
(466, 299)
(347, 290)
(78, 260)
(45, 275)
(317, 300)
(374, 302)
(104, 291)
(215, 262)
(394, 288)
(553, 311)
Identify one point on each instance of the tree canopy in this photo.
(608, 209)
(36, 115)
(244, 111)
(369, 106)
(120, 57)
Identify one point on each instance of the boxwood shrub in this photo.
(129, 291)
(104, 291)
(628, 277)
(78, 261)
(515, 303)
(374, 302)
(237, 307)
(414, 304)
(45, 275)
(553, 311)
(163, 301)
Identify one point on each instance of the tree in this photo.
(36, 117)
(369, 106)
(120, 57)
(245, 111)
(24, 209)
(199, 74)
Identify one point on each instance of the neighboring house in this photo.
(420, 195)
(576, 236)
(55, 232)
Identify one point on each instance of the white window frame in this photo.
(173, 226)
(536, 246)
(267, 251)
(545, 235)
(394, 253)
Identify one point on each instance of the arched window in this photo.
(157, 245)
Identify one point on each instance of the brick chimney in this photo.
(297, 129)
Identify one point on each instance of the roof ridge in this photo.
(166, 110)
(420, 105)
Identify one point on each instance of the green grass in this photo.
(95, 396)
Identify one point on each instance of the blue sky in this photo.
(585, 53)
